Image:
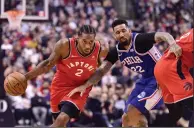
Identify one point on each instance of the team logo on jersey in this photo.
(188, 86)
(157, 56)
(132, 60)
(80, 64)
(141, 95)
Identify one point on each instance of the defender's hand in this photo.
(176, 49)
(80, 89)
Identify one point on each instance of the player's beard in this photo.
(125, 43)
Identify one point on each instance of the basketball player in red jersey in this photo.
(76, 60)
(175, 79)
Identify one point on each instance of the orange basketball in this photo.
(15, 84)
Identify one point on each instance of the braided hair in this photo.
(87, 29)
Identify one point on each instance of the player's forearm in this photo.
(164, 36)
(100, 72)
(41, 68)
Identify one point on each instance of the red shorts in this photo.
(60, 94)
(172, 76)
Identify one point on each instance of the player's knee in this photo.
(125, 118)
(131, 111)
(62, 119)
(142, 122)
(55, 115)
(135, 117)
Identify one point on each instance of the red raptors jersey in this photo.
(186, 43)
(76, 69)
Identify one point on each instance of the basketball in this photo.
(15, 84)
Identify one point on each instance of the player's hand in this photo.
(176, 49)
(80, 89)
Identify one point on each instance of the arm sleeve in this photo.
(144, 42)
(112, 55)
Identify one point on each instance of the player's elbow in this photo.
(46, 65)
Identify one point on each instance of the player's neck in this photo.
(129, 44)
(126, 46)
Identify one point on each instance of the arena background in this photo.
(47, 21)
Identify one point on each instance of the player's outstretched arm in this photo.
(94, 79)
(145, 41)
(46, 65)
(111, 58)
(100, 72)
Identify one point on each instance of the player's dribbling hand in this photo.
(176, 49)
(80, 89)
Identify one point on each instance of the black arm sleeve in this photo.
(112, 55)
(144, 42)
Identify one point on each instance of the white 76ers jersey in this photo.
(138, 62)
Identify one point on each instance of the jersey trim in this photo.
(152, 100)
(154, 53)
(152, 57)
(149, 97)
(76, 49)
(72, 103)
(176, 101)
(69, 41)
(55, 112)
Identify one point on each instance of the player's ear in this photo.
(114, 35)
(129, 30)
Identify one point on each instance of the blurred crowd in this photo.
(25, 48)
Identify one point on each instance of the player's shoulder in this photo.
(63, 41)
(136, 35)
(62, 45)
(186, 36)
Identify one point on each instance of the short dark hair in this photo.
(119, 22)
(87, 29)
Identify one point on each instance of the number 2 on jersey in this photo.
(79, 72)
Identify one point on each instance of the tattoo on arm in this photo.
(163, 36)
(100, 72)
(41, 68)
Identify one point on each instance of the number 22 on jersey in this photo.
(79, 72)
